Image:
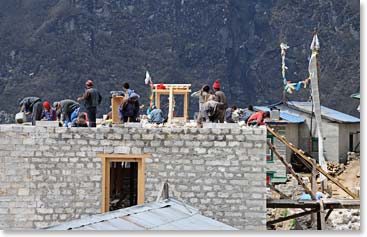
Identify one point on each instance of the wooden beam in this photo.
(175, 91)
(328, 214)
(186, 106)
(103, 155)
(328, 203)
(170, 106)
(289, 168)
(282, 195)
(269, 223)
(309, 160)
(141, 181)
(313, 188)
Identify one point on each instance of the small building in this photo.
(169, 214)
(341, 131)
(287, 125)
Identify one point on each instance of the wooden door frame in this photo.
(106, 159)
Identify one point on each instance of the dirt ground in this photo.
(349, 178)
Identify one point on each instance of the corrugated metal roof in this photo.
(169, 214)
(327, 113)
(289, 118)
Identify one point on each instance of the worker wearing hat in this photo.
(221, 98)
(92, 98)
(48, 113)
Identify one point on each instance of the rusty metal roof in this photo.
(168, 214)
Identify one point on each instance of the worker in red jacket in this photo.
(258, 118)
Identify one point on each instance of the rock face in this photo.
(50, 47)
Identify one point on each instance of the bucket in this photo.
(20, 117)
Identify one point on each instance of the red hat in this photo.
(46, 105)
(89, 83)
(216, 85)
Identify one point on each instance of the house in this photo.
(341, 131)
(169, 214)
(286, 125)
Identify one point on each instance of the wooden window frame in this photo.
(106, 165)
(271, 151)
(314, 144)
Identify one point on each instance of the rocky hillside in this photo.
(50, 47)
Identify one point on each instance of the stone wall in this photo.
(51, 175)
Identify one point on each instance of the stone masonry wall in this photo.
(52, 175)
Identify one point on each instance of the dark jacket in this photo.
(92, 98)
(127, 109)
(221, 98)
(28, 103)
(67, 107)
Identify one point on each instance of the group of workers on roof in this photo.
(212, 108)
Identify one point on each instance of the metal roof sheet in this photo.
(327, 113)
(289, 118)
(169, 214)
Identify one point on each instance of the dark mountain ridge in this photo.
(49, 48)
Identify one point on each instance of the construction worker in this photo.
(210, 112)
(229, 113)
(221, 98)
(247, 113)
(127, 90)
(66, 110)
(80, 121)
(156, 115)
(48, 113)
(32, 106)
(129, 108)
(258, 118)
(202, 94)
(92, 98)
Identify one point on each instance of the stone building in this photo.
(52, 175)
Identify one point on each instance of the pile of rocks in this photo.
(335, 168)
(344, 219)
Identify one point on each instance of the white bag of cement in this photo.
(20, 117)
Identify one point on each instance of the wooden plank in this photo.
(132, 156)
(103, 204)
(186, 106)
(289, 168)
(115, 103)
(288, 203)
(321, 217)
(328, 214)
(328, 203)
(157, 100)
(175, 91)
(108, 185)
(141, 181)
(268, 223)
(309, 160)
(313, 188)
(170, 106)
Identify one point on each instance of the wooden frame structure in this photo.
(171, 90)
(317, 206)
(106, 159)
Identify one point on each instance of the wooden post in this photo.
(157, 99)
(308, 159)
(186, 106)
(321, 217)
(313, 188)
(289, 168)
(170, 108)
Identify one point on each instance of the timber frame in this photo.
(316, 206)
(106, 159)
(171, 90)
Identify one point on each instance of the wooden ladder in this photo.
(309, 160)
